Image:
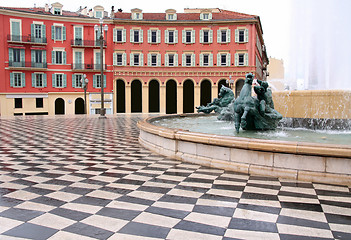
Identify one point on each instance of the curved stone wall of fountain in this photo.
(325, 163)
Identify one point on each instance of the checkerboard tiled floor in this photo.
(87, 178)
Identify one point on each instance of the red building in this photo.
(153, 62)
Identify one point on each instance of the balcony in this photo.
(86, 43)
(87, 66)
(26, 39)
(27, 65)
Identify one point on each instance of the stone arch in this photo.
(188, 96)
(238, 86)
(171, 96)
(120, 96)
(154, 95)
(79, 106)
(136, 96)
(59, 106)
(205, 92)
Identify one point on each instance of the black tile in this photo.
(338, 219)
(92, 201)
(71, 214)
(192, 189)
(77, 190)
(198, 180)
(154, 189)
(4, 191)
(221, 211)
(31, 231)
(167, 212)
(266, 186)
(116, 190)
(297, 184)
(88, 230)
(297, 195)
(200, 228)
(302, 222)
(145, 230)
(130, 181)
(40, 191)
(342, 235)
(23, 215)
(23, 182)
(336, 203)
(219, 198)
(58, 182)
(260, 196)
(266, 209)
(302, 206)
(297, 237)
(135, 200)
(123, 214)
(228, 187)
(178, 199)
(252, 225)
(333, 193)
(48, 201)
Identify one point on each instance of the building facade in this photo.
(152, 62)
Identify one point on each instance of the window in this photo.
(119, 35)
(58, 57)
(223, 59)
(154, 59)
(241, 59)
(188, 59)
(39, 80)
(59, 80)
(76, 83)
(78, 36)
(119, 59)
(38, 33)
(17, 80)
(205, 16)
(136, 35)
(171, 59)
(154, 36)
(241, 35)
(136, 59)
(16, 57)
(206, 59)
(97, 81)
(39, 59)
(57, 11)
(206, 36)
(58, 33)
(171, 36)
(188, 36)
(137, 14)
(39, 102)
(172, 16)
(18, 102)
(223, 35)
(16, 30)
(98, 14)
(78, 60)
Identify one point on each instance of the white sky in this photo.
(274, 14)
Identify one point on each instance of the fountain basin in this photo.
(303, 161)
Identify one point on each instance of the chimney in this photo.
(46, 7)
(84, 11)
(91, 14)
(112, 15)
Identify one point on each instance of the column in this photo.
(128, 98)
(162, 98)
(179, 99)
(197, 95)
(145, 99)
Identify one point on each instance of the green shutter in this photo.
(166, 60)
(11, 80)
(236, 35)
(141, 36)
(218, 59)
(45, 80)
(149, 59)
(211, 60)
(218, 36)
(228, 35)
(124, 59)
(201, 59)
(141, 59)
(228, 59)
(74, 80)
(22, 56)
(131, 35)
(64, 80)
(32, 30)
(159, 60)
(115, 35)
(33, 56)
(115, 59)
(33, 80)
(183, 36)
(53, 57)
(201, 36)
(131, 59)
(183, 60)
(94, 81)
(43, 31)
(63, 33)
(211, 36)
(23, 79)
(16, 29)
(192, 60)
(175, 36)
(236, 59)
(104, 81)
(64, 58)
(246, 36)
(176, 60)
(10, 54)
(44, 56)
(246, 58)
(166, 36)
(53, 32)
(54, 80)
(149, 36)
(193, 36)
(158, 36)
(124, 36)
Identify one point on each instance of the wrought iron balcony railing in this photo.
(26, 39)
(27, 64)
(87, 66)
(87, 43)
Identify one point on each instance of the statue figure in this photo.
(225, 97)
(255, 113)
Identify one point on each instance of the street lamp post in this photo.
(101, 39)
(84, 82)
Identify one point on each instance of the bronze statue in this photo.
(225, 97)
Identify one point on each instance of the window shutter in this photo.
(158, 60)
(236, 59)
(149, 36)
(44, 56)
(201, 36)
(64, 80)
(53, 57)
(94, 81)
(124, 35)
(131, 35)
(166, 60)
(32, 30)
(115, 35)
(149, 59)
(228, 59)
(158, 36)
(246, 37)
(236, 35)
(63, 33)
(210, 16)
(22, 56)
(131, 59)
(33, 56)
(211, 36)
(246, 59)
(124, 59)
(141, 59)
(45, 80)
(64, 58)
(11, 80)
(23, 79)
(53, 32)
(175, 36)
(183, 60)
(193, 36)
(201, 60)
(201, 16)
(74, 80)
(114, 58)
(176, 60)
(33, 80)
(218, 36)
(104, 81)
(228, 35)
(141, 35)
(11, 54)
(183, 36)
(43, 31)
(218, 59)
(211, 60)
(54, 80)
(166, 36)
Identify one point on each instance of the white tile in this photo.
(309, 215)
(340, 227)
(146, 195)
(254, 235)
(107, 223)
(7, 224)
(177, 234)
(226, 193)
(298, 199)
(184, 193)
(52, 221)
(309, 191)
(35, 206)
(209, 219)
(268, 203)
(82, 207)
(255, 215)
(215, 203)
(261, 190)
(104, 194)
(22, 195)
(127, 205)
(121, 236)
(62, 235)
(175, 206)
(63, 196)
(304, 231)
(336, 210)
(155, 219)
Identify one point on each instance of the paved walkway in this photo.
(87, 178)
